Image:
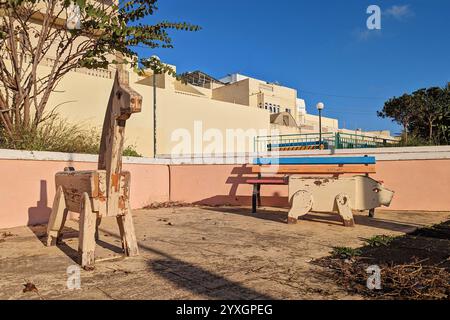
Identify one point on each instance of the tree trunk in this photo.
(430, 137)
(405, 128)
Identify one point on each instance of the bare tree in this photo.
(35, 33)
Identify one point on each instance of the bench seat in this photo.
(314, 169)
(267, 181)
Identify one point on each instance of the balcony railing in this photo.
(50, 61)
(311, 141)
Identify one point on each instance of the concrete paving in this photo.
(197, 253)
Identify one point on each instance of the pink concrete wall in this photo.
(27, 188)
(422, 185)
(219, 185)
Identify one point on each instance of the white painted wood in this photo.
(88, 221)
(57, 218)
(128, 235)
(343, 205)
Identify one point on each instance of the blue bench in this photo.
(305, 165)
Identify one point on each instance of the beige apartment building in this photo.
(195, 113)
(199, 115)
(201, 106)
(189, 113)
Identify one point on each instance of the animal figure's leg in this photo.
(57, 218)
(343, 205)
(86, 247)
(126, 228)
(301, 204)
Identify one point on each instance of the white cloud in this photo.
(366, 34)
(399, 12)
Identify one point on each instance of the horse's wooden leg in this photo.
(86, 247)
(126, 228)
(57, 218)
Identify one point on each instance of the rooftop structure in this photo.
(200, 79)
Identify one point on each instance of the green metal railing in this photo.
(310, 141)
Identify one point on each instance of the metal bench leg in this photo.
(259, 195)
(254, 198)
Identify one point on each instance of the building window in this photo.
(265, 106)
(288, 110)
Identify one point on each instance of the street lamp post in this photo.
(320, 107)
(154, 106)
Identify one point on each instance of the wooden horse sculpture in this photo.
(103, 192)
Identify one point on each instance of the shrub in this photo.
(130, 151)
(58, 135)
(414, 141)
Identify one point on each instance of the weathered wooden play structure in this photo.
(316, 184)
(104, 192)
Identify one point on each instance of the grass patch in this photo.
(378, 241)
(345, 252)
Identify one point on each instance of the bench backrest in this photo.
(315, 165)
(315, 160)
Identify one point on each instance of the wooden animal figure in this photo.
(341, 195)
(104, 192)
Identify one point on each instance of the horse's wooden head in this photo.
(126, 100)
(123, 102)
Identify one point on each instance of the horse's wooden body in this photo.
(103, 192)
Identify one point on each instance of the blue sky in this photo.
(321, 48)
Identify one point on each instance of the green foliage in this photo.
(424, 115)
(130, 151)
(124, 31)
(345, 252)
(55, 135)
(378, 241)
(414, 141)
